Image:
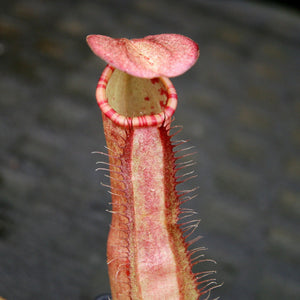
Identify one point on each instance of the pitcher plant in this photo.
(148, 248)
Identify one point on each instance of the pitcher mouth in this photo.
(140, 121)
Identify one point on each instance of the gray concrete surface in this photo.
(239, 106)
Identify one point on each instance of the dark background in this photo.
(239, 106)
(279, 3)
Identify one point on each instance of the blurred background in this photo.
(239, 106)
